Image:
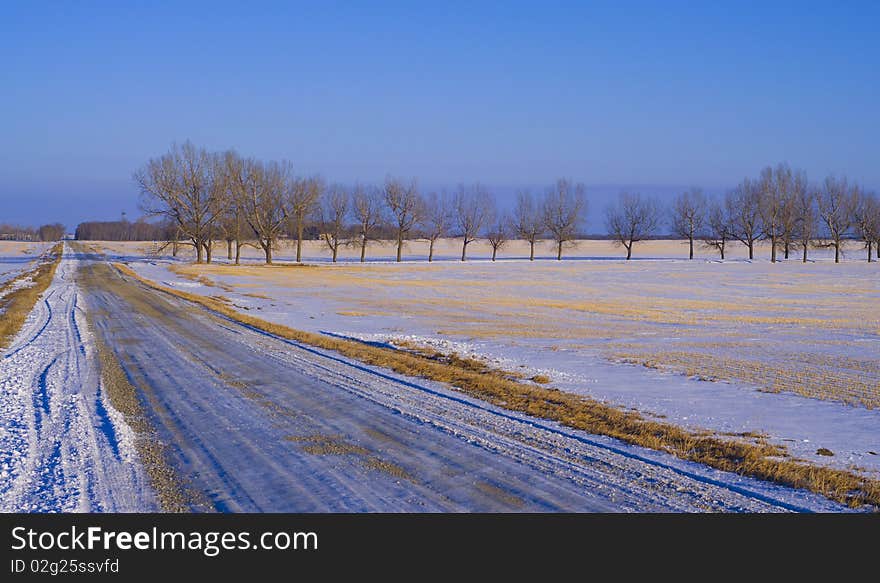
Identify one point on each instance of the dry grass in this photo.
(759, 460)
(256, 296)
(16, 304)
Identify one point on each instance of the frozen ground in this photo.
(250, 422)
(63, 447)
(787, 350)
(16, 257)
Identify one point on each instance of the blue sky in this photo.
(653, 96)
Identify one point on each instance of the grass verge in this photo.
(757, 459)
(16, 304)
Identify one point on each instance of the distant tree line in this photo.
(204, 198)
(140, 230)
(52, 232)
(782, 207)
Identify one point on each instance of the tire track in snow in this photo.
(62, 445)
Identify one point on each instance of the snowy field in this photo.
(788, 351)
(16, 257)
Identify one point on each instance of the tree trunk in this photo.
(721, 248)
(431, 251)
(238, 252)
(629, 252)
(267, 248)
(174, 247)
(691, 241)
(751, 250)
(786, 243)
(229, 249)
(364, 249)
(532, 250)
(837, 252)
(494, 251)
(559, 251)
(334, 249)
(299, 239)
(199, 252)
(869, 251)
(209, 251)
(805, 251)
(772, 249)
(399, 246)
(464, 249)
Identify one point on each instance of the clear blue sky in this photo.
(656, 95)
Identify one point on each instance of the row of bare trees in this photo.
(783, 208)
(49, 232)
(220, 196)
(140, 230)
(210, 197)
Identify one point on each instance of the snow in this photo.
(239, 410)
(63, 447)
(572, 320)
(18, 257)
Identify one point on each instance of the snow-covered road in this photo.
(251, 422)
(63, 448)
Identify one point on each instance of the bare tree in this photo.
(332, 212)
(367, 210)
(53, 232)
(260, 190)
(474, 208)
(405, 207)
(237, 232)
(437, 219)
(744, 208)
(563, 212)
(719, 230)
(498, 234)
(631, 220)
(836, 202)
(689, 216)
(806, 218)
(797, 185)
(866, 219)
(233, 226)
(219, 186)
(528, 221)
(774, 186)
(302, 199)
(179, 185)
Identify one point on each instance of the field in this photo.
(788, 352)
(16, 257)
